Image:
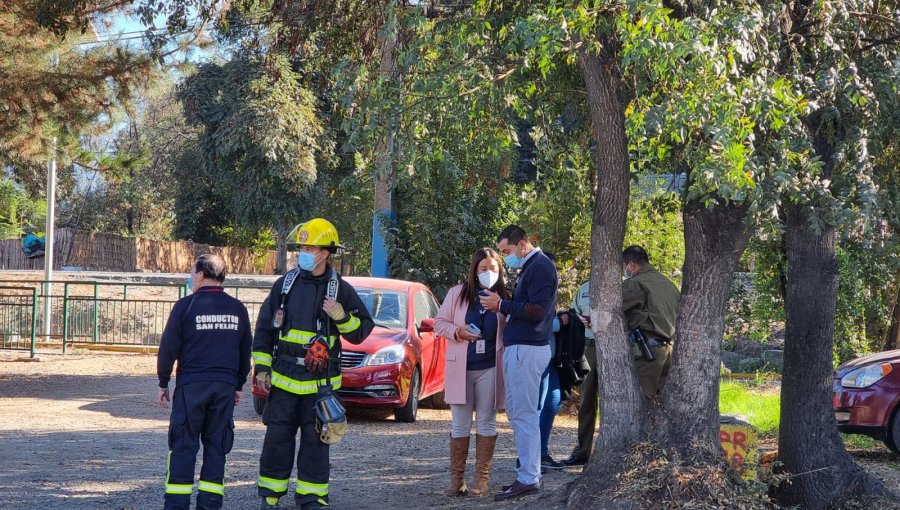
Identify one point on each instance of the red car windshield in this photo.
(387, 307)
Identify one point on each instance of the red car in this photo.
(866, 397)
(402, 360)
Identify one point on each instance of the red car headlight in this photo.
(390, 355)
(866, 376)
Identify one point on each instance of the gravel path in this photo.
(82, 432)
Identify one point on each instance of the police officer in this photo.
(296, 351)
(587, 408)
(208, 333)
(650, 303)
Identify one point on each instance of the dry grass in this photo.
(654, 478)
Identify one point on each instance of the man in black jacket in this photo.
(208, 333)
(296, 351)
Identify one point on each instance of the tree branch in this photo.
(876, 17)
(879, 42)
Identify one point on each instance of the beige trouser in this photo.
(481, 396)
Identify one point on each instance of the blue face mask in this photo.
(512, 261)
(306, 261)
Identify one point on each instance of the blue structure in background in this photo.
(381, 223)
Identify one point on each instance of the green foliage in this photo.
(56, 92)
(137, 199)
(707, 101)
(18, 210)
(261, 136)
(654, 222)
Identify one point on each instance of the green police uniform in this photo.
(587, 409)
(650, 302)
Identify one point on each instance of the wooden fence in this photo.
(108, 252)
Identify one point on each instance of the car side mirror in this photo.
(427, 325)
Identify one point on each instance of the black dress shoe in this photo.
(573, 461)
(517, 490)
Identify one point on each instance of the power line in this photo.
(260, 20)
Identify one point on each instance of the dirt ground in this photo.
(83, 432)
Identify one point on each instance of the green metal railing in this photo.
(101, 313)
(18, 318)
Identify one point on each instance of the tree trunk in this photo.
(282, 229)
(893, 336)
(809, 445)
(385, 214)
(621, 401)
(715, 237)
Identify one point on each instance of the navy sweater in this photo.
(530, 312)
(209, 334)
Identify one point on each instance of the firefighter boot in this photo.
(459, 450)
(269, 503)
(484, 456)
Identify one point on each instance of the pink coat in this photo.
(450, 317)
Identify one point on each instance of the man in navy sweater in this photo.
(529, 325)
(209, 334)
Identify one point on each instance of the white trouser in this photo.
(523, 366)
(481, 394)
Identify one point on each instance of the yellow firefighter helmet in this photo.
(315, 232)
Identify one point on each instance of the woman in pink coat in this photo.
(474, 381)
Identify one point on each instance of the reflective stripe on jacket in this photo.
(303, 320)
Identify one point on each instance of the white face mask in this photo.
(487, 279)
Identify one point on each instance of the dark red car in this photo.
(402, 360)
(866, 397)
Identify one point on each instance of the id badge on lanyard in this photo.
(479, 346)
(278, 319)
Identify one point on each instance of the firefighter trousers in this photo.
(286, 413)
(201, 412)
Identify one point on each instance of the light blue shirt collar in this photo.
(532, 252)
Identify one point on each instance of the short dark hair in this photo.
(636, 254)
(212, 266)
(513, 234)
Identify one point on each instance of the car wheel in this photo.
(892, 438)
(259, 404)
(438, 401)
(407, 413)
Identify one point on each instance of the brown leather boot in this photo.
(484, 456)
(459, 451)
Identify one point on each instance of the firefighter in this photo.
(209, 334)
(296, 352)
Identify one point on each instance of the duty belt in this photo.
(656, 342)
(292, 360)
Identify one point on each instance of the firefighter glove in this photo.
(317, 356)
(264, 380)
(334, 310)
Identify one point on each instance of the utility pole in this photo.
(50, 227)
(385, 216)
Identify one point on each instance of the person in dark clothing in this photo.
(208, 334)
(551, 397)
(299, 327)
(529, 323)
(587, 408)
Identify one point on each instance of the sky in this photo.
(130, 32)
